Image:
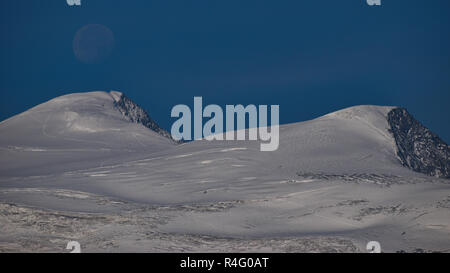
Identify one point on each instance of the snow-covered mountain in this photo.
(335, 183)
(80, 129)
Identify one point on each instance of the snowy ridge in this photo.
(74, 130)
(134, 113)
(417, 148)
(373, 116)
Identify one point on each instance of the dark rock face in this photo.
(136, 114)
(417, 147)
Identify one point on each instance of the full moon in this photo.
(93, 43)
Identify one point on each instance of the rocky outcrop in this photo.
(136, 114)
(417, 147)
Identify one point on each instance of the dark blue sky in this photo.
(311, 57)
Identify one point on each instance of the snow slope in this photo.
(75, 130)
(334, 184)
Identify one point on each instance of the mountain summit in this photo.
(416, 147)
(79, 129)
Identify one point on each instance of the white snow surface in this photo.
(334, 184)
